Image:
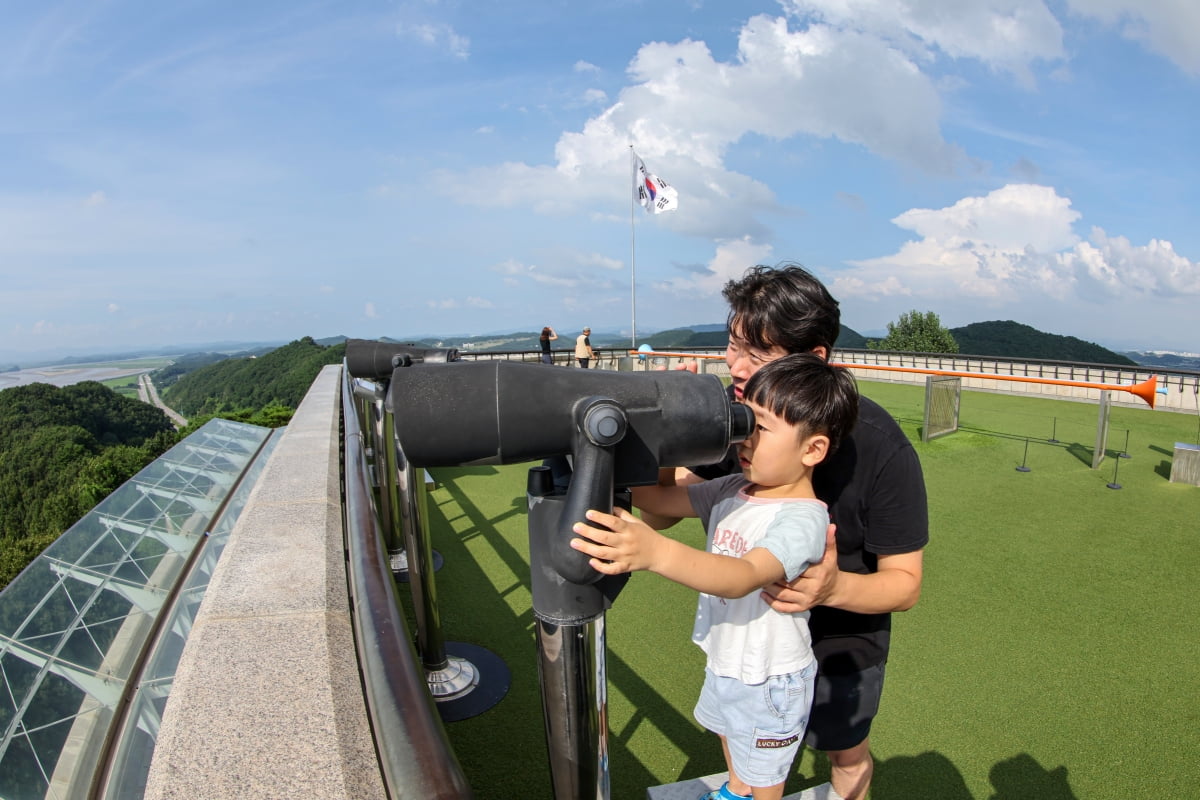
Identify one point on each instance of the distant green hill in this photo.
(717, 336)
(62, 450)
(1166, 360)
(191, 362)
(683, 338)
(851, 339)
(1010, 339)
(280, 377)
(1000, 339)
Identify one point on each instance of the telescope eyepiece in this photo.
(741, 422)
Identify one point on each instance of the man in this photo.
(583, 348)
(876, 496)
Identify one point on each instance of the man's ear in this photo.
(814, 449)
(821, 351)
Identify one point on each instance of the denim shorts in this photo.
(762, 723)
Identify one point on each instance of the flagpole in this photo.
(632, 251)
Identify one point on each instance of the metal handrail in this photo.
(415, 755)
(1181, 385)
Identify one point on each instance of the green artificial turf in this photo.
(1053, 653)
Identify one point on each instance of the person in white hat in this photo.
(583, 348)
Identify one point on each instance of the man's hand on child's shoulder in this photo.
(811, 587)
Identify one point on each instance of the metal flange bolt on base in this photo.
(400, 565)
(457, 678)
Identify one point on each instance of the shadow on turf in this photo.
(1080, 451)
(1163, 469)
(932, 775)
(518, 720)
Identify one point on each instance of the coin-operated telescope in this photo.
(464, 679)
(619, 428)
(376, 360)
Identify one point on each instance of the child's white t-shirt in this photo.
(745, 638)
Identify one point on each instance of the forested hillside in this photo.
(63, 450)
(1014, 340)
(169, 375)
(682, 338)
(851, 339)
(278, 378)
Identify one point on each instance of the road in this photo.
(147, 393)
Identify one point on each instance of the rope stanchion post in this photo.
(1024, 468)
(1113, 483)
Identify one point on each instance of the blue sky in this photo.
(191, 172)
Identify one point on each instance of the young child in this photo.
(764, 525)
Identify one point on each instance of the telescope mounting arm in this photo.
(600, 425)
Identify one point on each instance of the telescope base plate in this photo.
(400, 565)
(481, 680)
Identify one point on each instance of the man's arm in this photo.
(670, 476)
(895, 586)
(668, 501)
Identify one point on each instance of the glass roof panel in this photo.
(74, 623)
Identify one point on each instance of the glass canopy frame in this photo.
(92, 630)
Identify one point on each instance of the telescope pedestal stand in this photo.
(570, 637)
(465, 680)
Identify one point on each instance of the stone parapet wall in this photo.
(267, 701)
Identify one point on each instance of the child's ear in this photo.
(814, 449)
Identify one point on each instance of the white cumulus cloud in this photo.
(1167, 27)
(683, 109)
(437, 35)
(1011, 245)
(1004, 34)
(729, 263)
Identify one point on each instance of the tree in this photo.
(915, 332)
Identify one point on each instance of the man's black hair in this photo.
(784, 306)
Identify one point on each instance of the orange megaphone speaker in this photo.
(1146, 390)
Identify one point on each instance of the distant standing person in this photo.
(583, 348)
(548, 336)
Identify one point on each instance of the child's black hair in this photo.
(805, 390)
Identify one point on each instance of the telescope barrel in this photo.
(374, 360)
(501, 412)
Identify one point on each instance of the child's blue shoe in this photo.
(724, 794)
